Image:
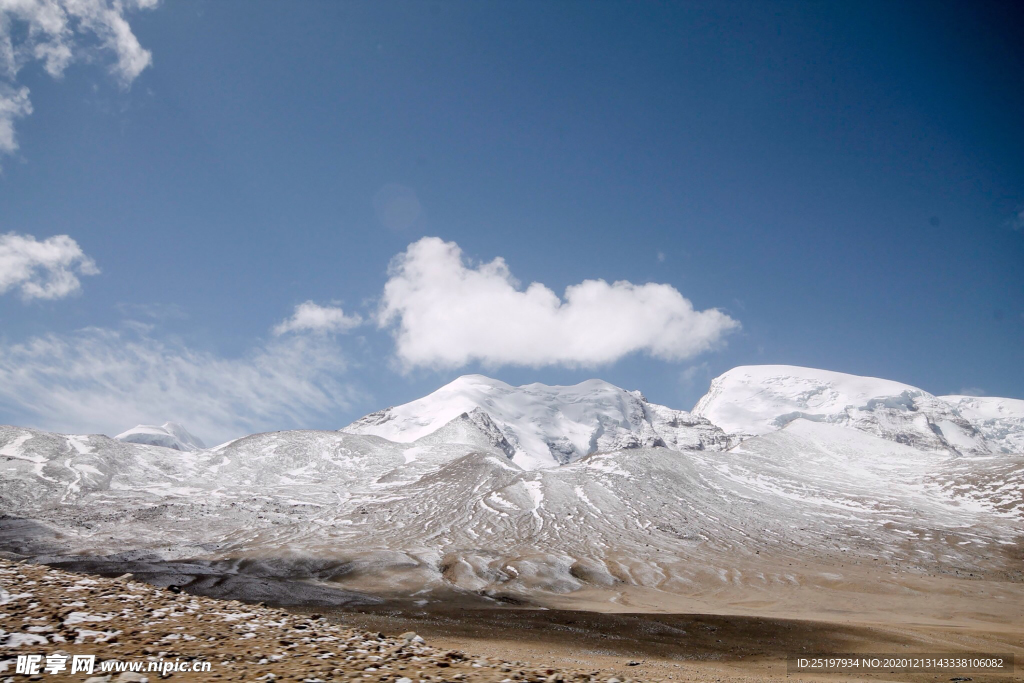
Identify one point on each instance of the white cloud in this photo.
(311, 317)
(56, 33)
(103, 380)
(42, 270)
(446, 314)
(14, 104)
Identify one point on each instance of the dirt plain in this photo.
(672, 646)
(626, 635)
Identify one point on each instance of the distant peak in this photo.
(167, 435)
(477, 379)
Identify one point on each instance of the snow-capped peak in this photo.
(543, 425)
(167, 435)
(757, 399)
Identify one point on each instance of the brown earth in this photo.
(575, 637)
(46, 611)
(692, 647)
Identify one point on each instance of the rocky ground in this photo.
(44, 611)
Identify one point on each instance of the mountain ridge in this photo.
(854, 481)
(744, 402)
(539, 425)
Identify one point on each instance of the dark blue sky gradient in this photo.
(840, 177)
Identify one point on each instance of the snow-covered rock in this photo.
(1000, 420)
(364, 513)
(544, 426)
(167, 435)
(757, 399)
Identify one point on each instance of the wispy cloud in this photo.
(311, 317)
(445, 313)
(397, 207)
(14, 104)
(105, 380)
(153, 311)
(56, 33)
(42, 270)
(695, 374)
(1016, 221)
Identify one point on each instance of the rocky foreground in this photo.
(44, 611)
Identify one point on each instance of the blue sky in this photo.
(842, 182)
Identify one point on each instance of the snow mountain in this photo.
(999, 420)
(167, 435)
(782, 480)
(540, 426)
(753, 400)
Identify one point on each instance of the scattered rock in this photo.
(129, 621)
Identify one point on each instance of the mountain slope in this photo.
(856, 481)
(545, 426)
(367, 514)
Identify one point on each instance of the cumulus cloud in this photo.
(42, 270)
(104, 380)
(444, 313)
(311, 317)
(55, 33)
